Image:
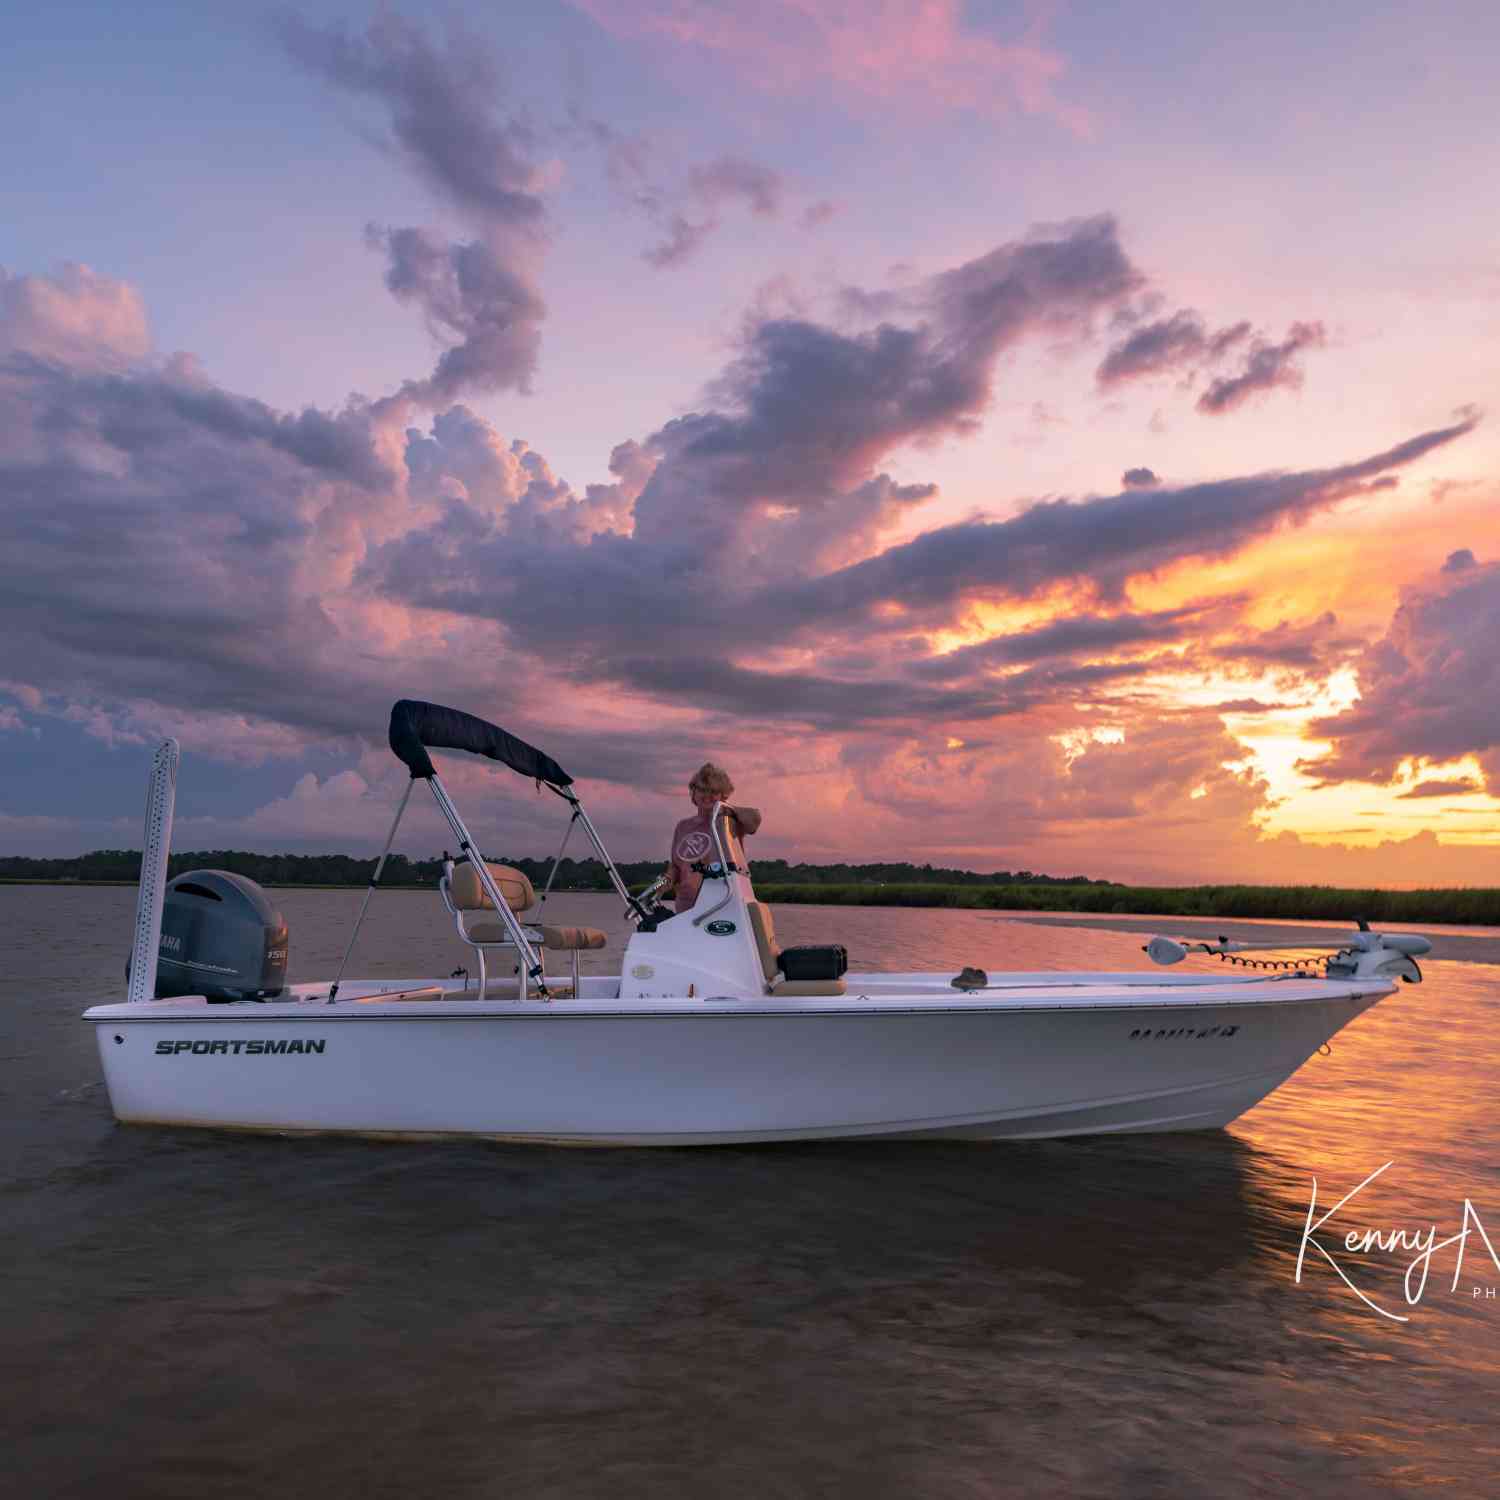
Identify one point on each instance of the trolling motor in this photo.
(1362, 955)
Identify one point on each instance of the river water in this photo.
(190, 1314)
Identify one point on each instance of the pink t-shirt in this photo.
(692, 841)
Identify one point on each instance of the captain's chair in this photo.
(770, 959)
(466, 900)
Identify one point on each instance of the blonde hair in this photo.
(711, 778)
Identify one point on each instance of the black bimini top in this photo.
(415, 726)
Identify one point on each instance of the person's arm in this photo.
(747, 819)
(673, 871)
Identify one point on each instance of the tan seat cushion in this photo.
(563, 938)
(469, 895)
(572, 937)
(809, 987)
(765, 938)
(486, 932)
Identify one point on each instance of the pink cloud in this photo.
(917, 50)
(339, 559)
(76, 318)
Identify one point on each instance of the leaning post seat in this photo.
(770, 959)
(470, 895)
(463, 893)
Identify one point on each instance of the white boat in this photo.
(701, 1038)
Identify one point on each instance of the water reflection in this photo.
(1088, 1317)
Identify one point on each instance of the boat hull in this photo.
(685, 1073)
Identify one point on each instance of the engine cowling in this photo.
(221, 937)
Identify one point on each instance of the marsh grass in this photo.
(1477, 907)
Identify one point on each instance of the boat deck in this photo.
(865, 994)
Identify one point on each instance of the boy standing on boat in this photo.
(692, 840)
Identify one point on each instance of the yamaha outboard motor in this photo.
(220, 937)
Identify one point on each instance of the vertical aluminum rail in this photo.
(533, 967)
(333, 989)
(161, 800)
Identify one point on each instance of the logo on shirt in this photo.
(693, 846)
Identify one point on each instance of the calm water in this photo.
(188, 1314)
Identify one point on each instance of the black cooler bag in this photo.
(815, 963)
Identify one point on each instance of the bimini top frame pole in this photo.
(364, 906)
(579, 812)
(415, 726)
(482, 870)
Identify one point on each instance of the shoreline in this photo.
(1453, 907)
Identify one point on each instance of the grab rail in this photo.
(715, 818)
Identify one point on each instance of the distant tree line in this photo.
(831, 885)
(572, 874)
(1457, 906)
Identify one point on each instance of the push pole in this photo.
(161, 799)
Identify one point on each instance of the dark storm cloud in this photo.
(1181, 342)
(1441, 789)
(480, 297)
(152, 539)
(151, 416)
(1070, 636)
(1313, 646)
(1429, 688)
(826, 702)
(1139, 479)
(172, 554)
(1267, 366)
(743, 513)
(777, 479)
(442, 105)
(1104, 541)
(711, 572)
(1457, 562)
(488, 313)
(805, 410)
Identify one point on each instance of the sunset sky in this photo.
(1009, 436)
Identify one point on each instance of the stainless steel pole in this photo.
(620, 887)
(533, 967)
(333, 989)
